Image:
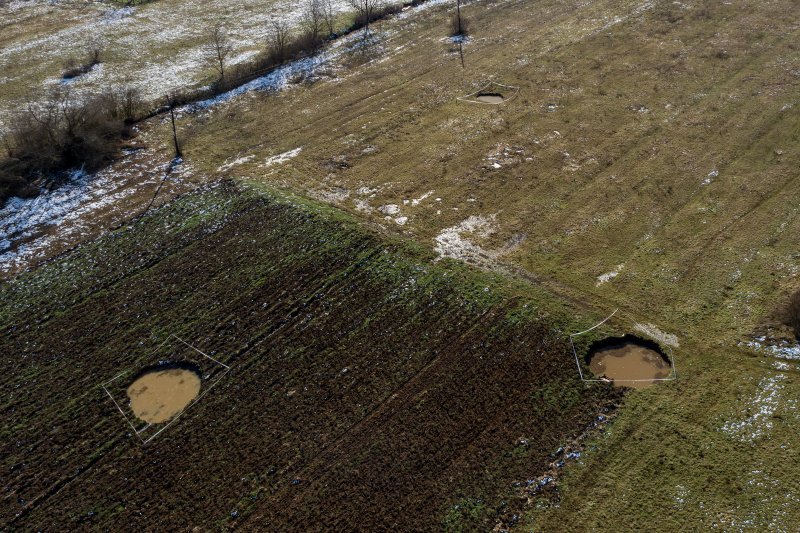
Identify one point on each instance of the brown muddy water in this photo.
(490, 98)
(629, 362)
(158, 395)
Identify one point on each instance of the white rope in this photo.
(200, 352)
(606, 319)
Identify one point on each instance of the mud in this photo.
(629, 362)
(159, 394)
(490, 98)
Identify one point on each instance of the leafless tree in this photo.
(279, 40)
(329, 14)
(219, 48)
(793, 313)
(366, 10)
(314, 18)
(123, 103)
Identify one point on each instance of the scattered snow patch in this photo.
(451, 243)
(608, 276)
(763, 405)
(282, 158)
(652, 331)
(238, 161)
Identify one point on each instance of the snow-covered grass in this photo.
(782, 349)
(608, 276)
(760, 410)
(139, 47)
(86, 204)
(453, 241)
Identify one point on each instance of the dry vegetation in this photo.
(649, 164)
(64, 133)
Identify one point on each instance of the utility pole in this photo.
(458, 9)
(171, 104)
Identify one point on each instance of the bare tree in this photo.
(366, 11)
(793, 313)
(219, 49)
(279, 40)
(314, 18)
(123, 103)
(329, 14)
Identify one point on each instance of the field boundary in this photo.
(673, 371)
(138, 432)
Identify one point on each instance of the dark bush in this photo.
(792, 314)
(63, 133)
(74, 68)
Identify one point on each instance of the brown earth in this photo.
(159, 395)
(630, 366)
(413, 383)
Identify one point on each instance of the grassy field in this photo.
(156, 47)
(648, 164)
(369, 388)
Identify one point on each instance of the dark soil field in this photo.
(370, 388)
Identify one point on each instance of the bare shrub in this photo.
(367, 11)
(792, 314)
(61, 133)
(278, 41)
(218, 49)
(74, 67)
(123, 103)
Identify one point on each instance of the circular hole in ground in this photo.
(628, 361)
(158, 393)
(490, 98)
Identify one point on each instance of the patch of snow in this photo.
(362, 205)
(366, 191)
(784, 349)
(710, 177)
(457, 39)
(450, 242)
(763, 405)
(282, 158)
(389, 209)
(652, 331)
(608, 276)
(238, 161)
(416, 201)
(30, 227)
